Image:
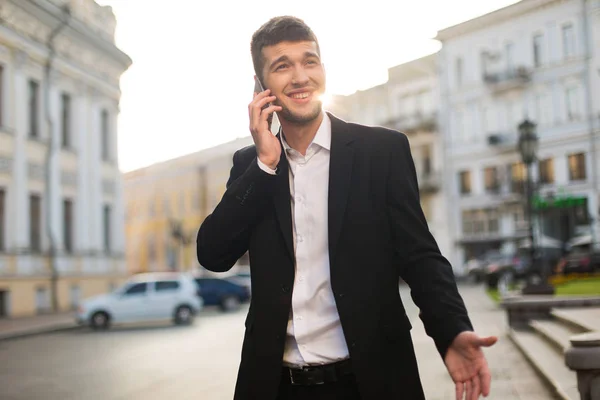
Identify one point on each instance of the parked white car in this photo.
(143, 298)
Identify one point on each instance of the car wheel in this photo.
(230, 303)
(100, 320)
(183, 315)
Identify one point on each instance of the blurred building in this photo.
(533, 59)
(409, 103)
(61, 218)
(166, 203)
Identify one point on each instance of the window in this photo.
(538, 50)
(105, 132)
(482, 221)
(518, 175)
(65, 102)
(106, 214)
(546, 170)
(164, 286)
(35, 223)
(2, 213)
(34, 100)
(577, 167)
(68, 225)
(465, 182)
(568, 39)
(137, 288)
(492, 181)
(572, 103)
(467, 222)
(493, 225)
(459, 71)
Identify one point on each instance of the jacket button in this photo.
(285, 289)
(353, 345)
(341, 295)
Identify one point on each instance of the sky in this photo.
(192, 78)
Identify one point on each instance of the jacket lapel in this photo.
(340, 178)
(283, 207)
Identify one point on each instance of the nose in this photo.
(300, 77)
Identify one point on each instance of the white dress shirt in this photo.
(314, 332)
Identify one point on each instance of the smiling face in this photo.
(295, 75)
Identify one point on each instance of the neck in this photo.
(300, 136)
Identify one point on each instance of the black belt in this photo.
(317, 374)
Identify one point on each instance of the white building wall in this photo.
(473, 110)
(77, 173)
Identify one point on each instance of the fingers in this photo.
(486, 380)
(468, 390)
(487, 341)
(257, 104)
(460, 390)
(476, 388)
(259, 117)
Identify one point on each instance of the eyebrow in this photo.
(307, 54)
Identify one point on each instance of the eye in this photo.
(280, 67)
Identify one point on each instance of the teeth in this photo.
(300, 96)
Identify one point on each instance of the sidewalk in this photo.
(512, 377)
(11, 328)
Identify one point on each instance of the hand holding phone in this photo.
(261, 109)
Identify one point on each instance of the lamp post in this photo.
(528, 146)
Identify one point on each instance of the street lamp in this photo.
(528, 146)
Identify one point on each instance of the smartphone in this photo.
(258, 87)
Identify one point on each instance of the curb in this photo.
(37, 331)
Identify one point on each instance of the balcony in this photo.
(430, 182)
(416, 122)
(510, 79)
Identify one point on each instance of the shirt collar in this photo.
(322, 138)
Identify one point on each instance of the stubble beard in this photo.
(301, 119)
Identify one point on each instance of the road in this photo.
(200, 361)
(127, 363)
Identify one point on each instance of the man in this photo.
(329, 212)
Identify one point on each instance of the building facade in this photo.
(61, 197)
(536, 59)
(167, 202)
(409, 102)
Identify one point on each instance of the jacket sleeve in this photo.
(428, 274)
(224, 235)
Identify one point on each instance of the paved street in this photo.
(157, 362)
(200, 362)
(512, 377)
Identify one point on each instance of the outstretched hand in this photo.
(467, 365)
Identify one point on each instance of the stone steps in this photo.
(547, 361)
(585, 319)
(556, 333)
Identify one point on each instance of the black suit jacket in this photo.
(377, 234)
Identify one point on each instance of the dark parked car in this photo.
(223, 293)
(581, 257)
